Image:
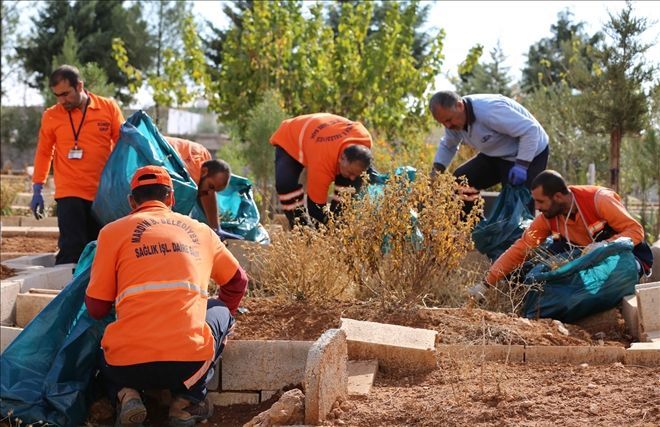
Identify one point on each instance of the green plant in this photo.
(7, 197)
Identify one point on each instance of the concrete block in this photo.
(42, 260)
(49, 221)
(393, 346)
(492, 352)
(30, 231)
(326, 376)
(643, 354)
(9, 289)
(59, 276)
(630, 315)
(29, 305)
(361, 376)
(267, 394)
(653, 336)
(263, 365)
(648, 305)
(600, 355)
(7, 335)
(655, 270)
(11, 221)
(228, 398)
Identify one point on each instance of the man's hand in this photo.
(37, 203)
(478, 292)
(436, 169)
(224, 235)
(517, 175)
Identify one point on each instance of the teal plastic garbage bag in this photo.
(140, 144)
(48, 369)
(587, 285)
(507, 222)
(238, 211)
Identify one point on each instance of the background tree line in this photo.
(595, 94)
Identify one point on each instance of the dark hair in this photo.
(358, 153)
(145, 193)
(551, 182)
(444, 99)
(65, 72)
(217, 166)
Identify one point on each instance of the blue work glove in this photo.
(517, 175)
(226, 235)
(37, 203)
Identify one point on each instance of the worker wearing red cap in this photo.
(154, 265)
(331, 148)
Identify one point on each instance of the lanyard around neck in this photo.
(76, 134)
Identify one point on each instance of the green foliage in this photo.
(96, 22)
(94, 76)
(20, 127)
(8, 193)
(491, 77)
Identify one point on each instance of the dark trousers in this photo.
(77, 225)
(483, 172)
(172, 375)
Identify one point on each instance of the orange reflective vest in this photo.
(193, 155)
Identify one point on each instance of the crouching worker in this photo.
(332, 149)
(154, 265)
(585, 216)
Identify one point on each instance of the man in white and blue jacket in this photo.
(512, 145)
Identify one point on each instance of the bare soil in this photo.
(29, 244)
(6, 272)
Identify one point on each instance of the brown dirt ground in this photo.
(6, 272)
(29, 244)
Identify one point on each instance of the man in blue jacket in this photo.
(512, 146)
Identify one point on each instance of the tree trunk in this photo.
(615, 151)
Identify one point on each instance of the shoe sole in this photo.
(190, 422)
(133, 416)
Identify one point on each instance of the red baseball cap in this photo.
(148, 175)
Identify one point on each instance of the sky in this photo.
(515, 24)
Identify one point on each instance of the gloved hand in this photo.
(478, 292)
(517, 175)
(592, 246)
(225, 235)
(37, 203)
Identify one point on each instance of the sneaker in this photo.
(186, 414)
(131, 412)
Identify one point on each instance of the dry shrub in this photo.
(401, 247)
(8, 194)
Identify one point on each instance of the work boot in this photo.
(183, 413)
(130, 411)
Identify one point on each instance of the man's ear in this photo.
(204, 171)
(131, 201)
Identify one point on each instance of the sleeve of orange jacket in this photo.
(224, 263)
(118, 120)
(537, 232)
(612, 210)
(103, 280)
(43, 156)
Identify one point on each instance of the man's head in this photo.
(448, 109)
(550, 194)
(354, 160)
(151, 183)
(67, 86)
(215, 176)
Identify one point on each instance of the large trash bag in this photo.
(140, 144)
(589, 284)
(47, 370)
(507, 222)
(238, 212)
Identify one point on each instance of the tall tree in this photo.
(489, 77)
(96, 23)
(615, 102)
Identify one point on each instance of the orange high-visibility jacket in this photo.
(607, 209)
(193, 155)
(317, 141)
(98, 136)
(155, 265)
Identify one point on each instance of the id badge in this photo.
(76, 153)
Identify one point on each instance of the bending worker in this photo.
(512, 145)
(210, 175)
(331, 148)
(154, 265)
(580, 215)
(77, 136)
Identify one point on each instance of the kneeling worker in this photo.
(579, 215)
(154, 265)
(331, 148)
(210, 175)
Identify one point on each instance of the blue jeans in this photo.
(171, 375)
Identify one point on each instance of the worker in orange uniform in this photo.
(154, 265)
(586, 216)
(331, 148)
(210, 175)
(77, 135)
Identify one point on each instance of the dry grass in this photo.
(8, 192)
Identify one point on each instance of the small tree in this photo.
(489, 77)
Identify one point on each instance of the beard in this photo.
(554, 210)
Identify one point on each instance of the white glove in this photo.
(478, 292)
(592, 246)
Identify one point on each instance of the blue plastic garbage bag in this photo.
(507, 222)
(238, 212)
(47, 370)
(140, 144)
(589, 284)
